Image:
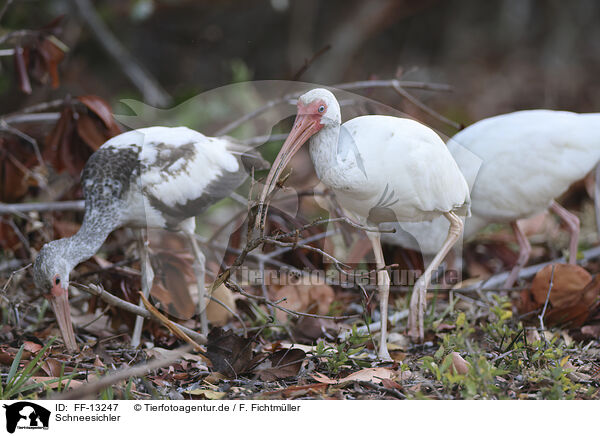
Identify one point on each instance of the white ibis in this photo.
(381, 169)
(159, 177)
(529, 158)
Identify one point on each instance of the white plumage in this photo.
(529, 158)
(152, 177)
(382, 169)
(401, 155)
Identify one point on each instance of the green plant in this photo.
(343, 354)
(18, 380)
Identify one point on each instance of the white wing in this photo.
(408, 170)
(529, 159)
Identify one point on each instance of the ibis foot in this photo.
(416, 329)
(383, 354)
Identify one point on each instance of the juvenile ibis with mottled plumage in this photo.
(155, 177)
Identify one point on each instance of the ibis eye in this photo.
(321, 109)
(57, 281)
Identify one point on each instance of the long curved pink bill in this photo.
(304, 128)
(62, 311)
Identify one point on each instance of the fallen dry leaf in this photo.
(229, 353)
(568, 284)
(459, 365)
(33, 347)
(217, 315)
(209, 394)
(52, 367)
(591, 330)
(573, 295)
(304, 298)
(66, 383)
(281, 364)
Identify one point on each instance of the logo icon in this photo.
(26, 415)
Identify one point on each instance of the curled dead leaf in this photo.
(573, 295)
(459, 365)
(229, 353)
(217, 314)
(568, 284)
(281, 364)
(305, 298)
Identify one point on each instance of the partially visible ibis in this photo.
(155, 177)
(528, 160)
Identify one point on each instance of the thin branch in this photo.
(496, 281)
(5, 8)
(541, 317)
(90, 389)
(151, 90)
(309, 62)
(50, 206)
(18, 35)
(402, 92)
(364, 84)
(37, 112)
(11, 276)
(48, 117)
(232, 312)
(170, 325)
(237, 288)
(5, 127)
(133, 308)
(393, 392)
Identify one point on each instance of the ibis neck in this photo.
(85, 243)
(323, 149)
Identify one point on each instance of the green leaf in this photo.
(15, 364)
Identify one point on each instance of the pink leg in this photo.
(572, 223)
(383, 285)
(524, 253)
(418, 300)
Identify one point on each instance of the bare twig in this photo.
(170, 324)
(36, 113)
(435, 114)
(365, 84)
(11, 276)
(5, 8)
(45, 106)
(44, 117)
(133, 308)
(237, 288)
(497, 280)
(291, 97)
(90, 389)
(5, 127)
(151, 90)
(309, 62)
(232, 312)
(541, 316)
(18, 36)
(50, 206)
(393, 392)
